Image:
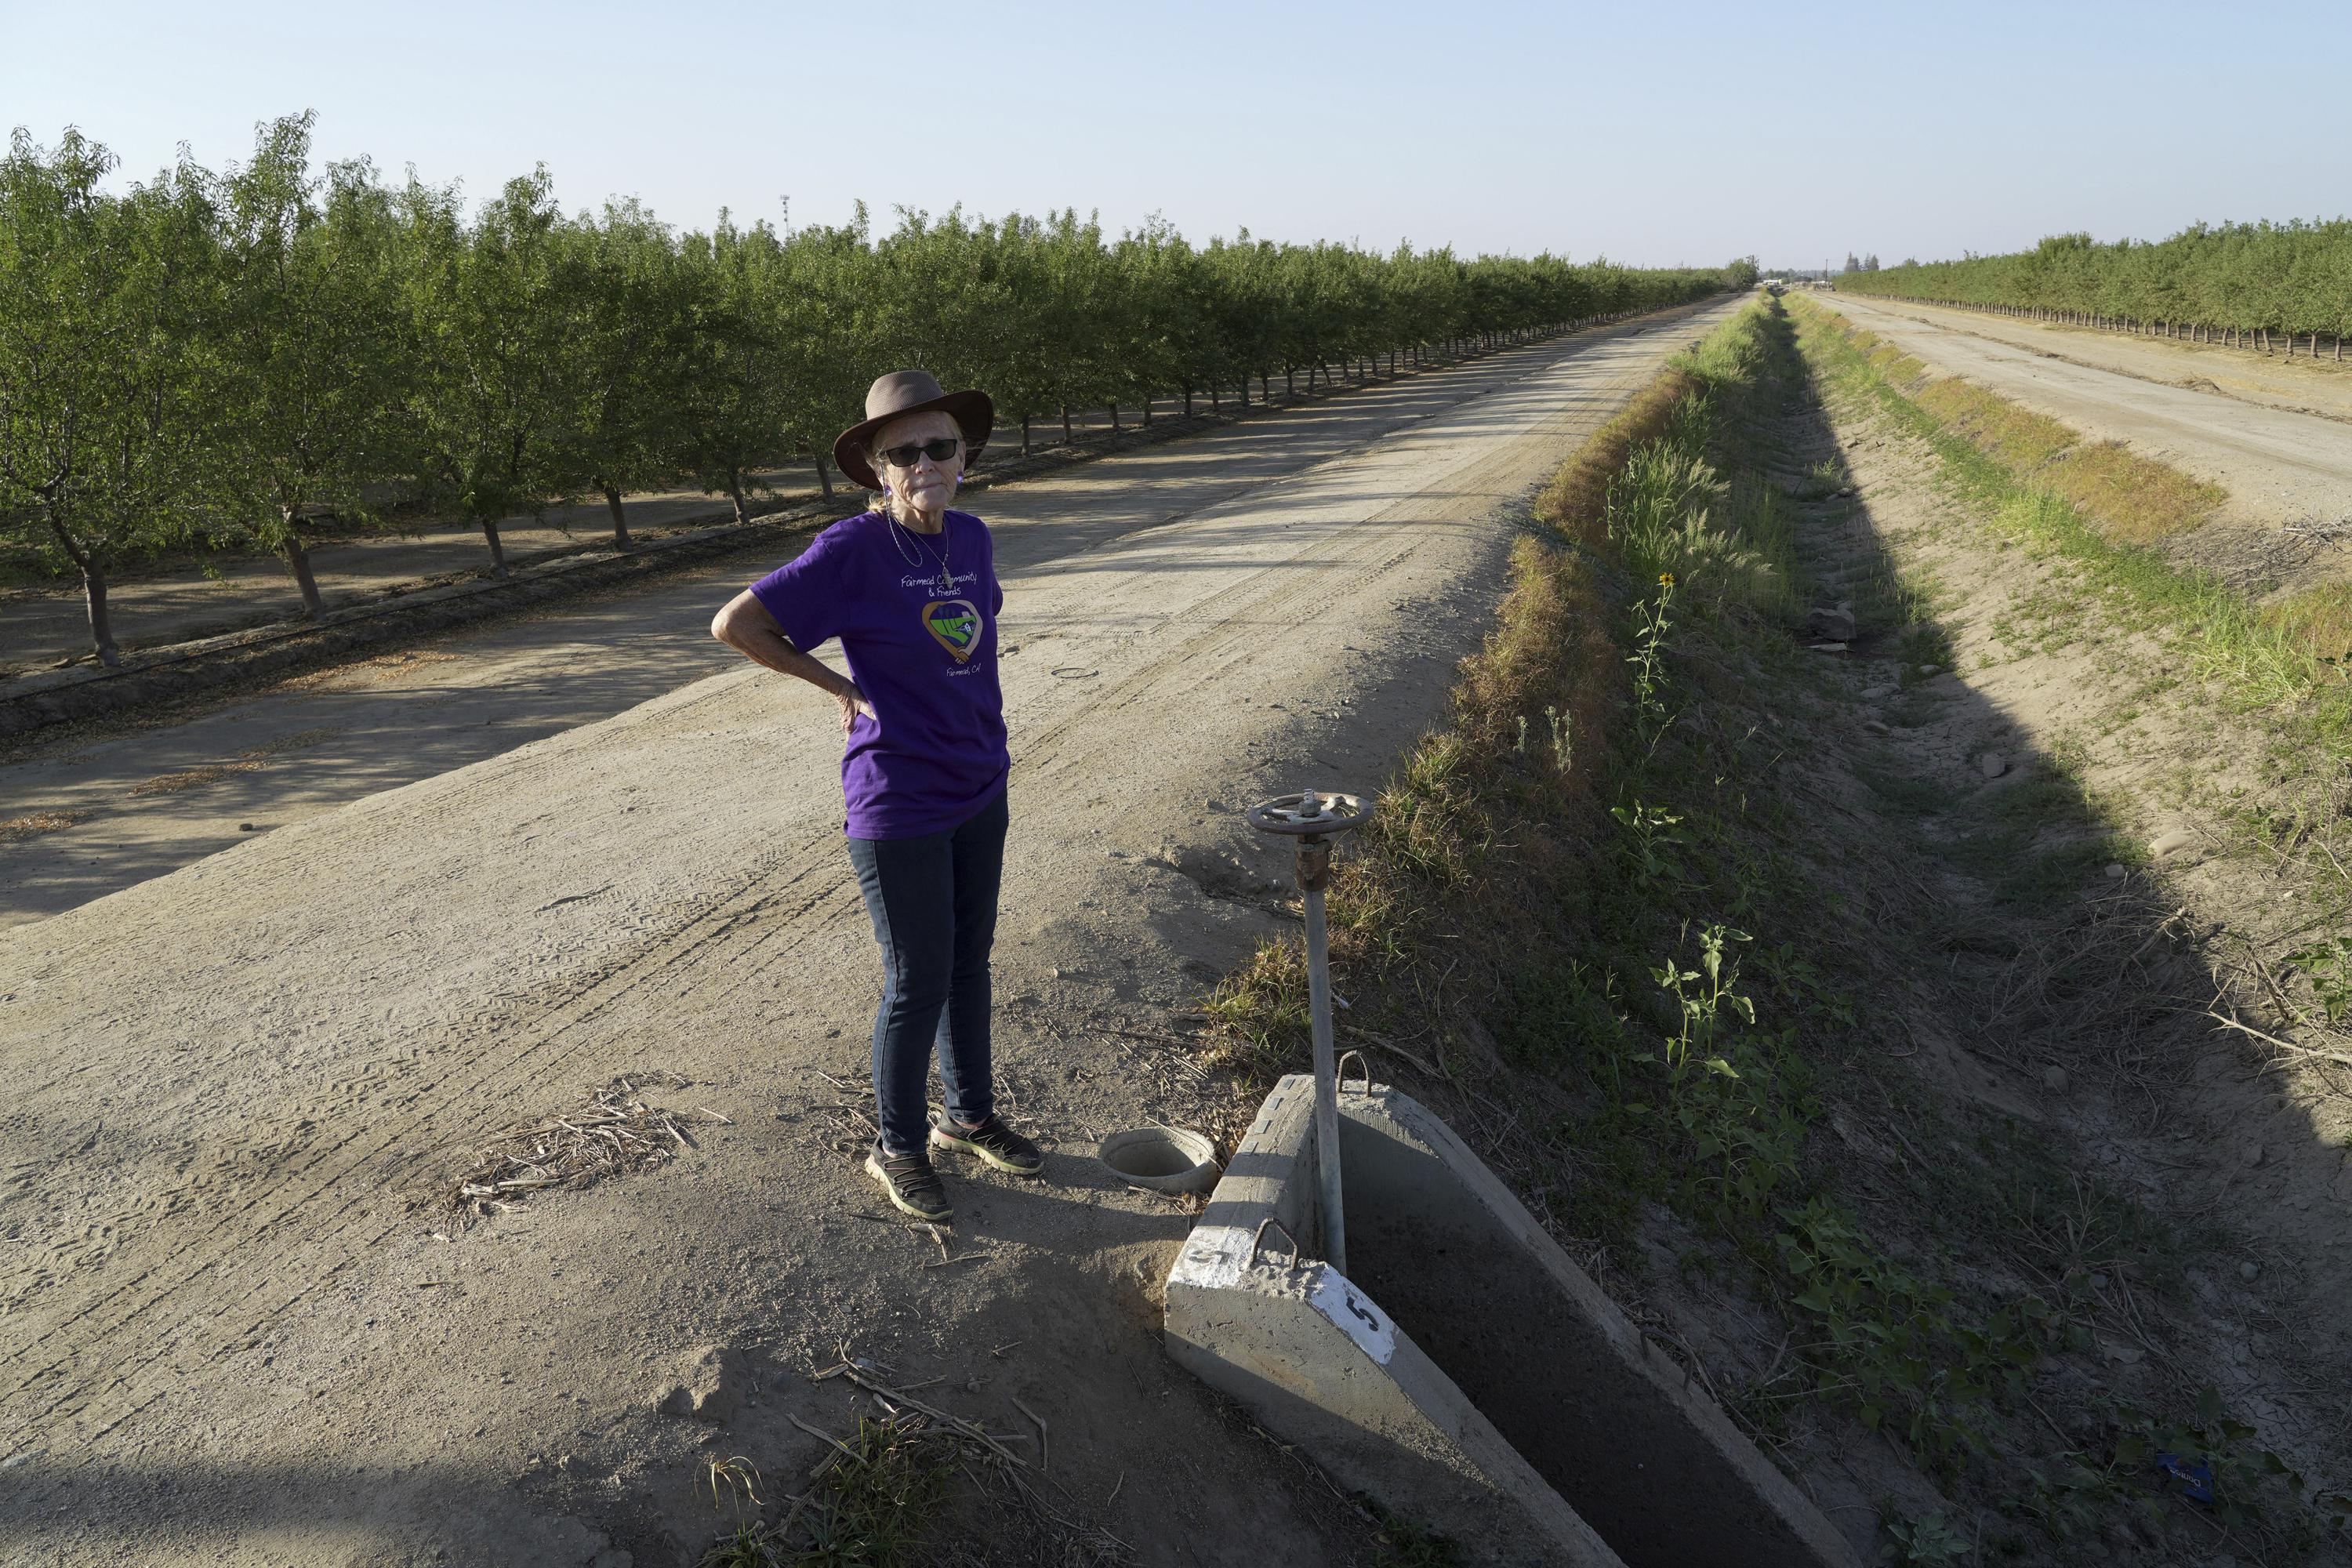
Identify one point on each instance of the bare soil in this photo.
(243, 1323)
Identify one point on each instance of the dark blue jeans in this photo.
(933, 902)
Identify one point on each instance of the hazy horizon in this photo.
(1796, 136)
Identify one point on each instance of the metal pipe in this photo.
(1314, 819)
(1314, 871)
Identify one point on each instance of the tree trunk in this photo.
(1245, 389)
(1114, 417)
(1025, 435)
(1188, 400)
(824, 477)
(735, 492)
(1289, 380)
(1147, 413)
(1216, 405)
(497, 550)
(620, 516)
(1066, 425)
(1265, 387)
(296, 556)
(101, 630)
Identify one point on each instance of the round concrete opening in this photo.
(1164, 1159)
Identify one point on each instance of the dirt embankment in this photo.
(240, 1327)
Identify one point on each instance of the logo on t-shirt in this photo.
(955, 624)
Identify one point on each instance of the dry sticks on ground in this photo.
(616, 1134)
(1002, 1473)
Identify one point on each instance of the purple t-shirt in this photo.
(920, 640)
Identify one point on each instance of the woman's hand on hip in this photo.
(853, 702)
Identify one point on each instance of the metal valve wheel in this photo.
(1310, 814)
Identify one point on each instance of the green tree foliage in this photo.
(307, 388)
(230, 358)
(2291, 280)
(105, 303)
(628, 352)
(493, 307)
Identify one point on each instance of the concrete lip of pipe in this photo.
(1468, 1374)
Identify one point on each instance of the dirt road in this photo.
(2300, 384)
(117, 811)
(2280, 467)
(240, 1324)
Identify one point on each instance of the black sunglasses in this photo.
(937, 451)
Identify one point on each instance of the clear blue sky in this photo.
(1657, 133)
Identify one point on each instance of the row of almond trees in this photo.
(2243, 282)
(222, 360)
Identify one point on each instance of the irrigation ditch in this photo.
(1826, 988)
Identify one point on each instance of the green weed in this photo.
(1927, 1542)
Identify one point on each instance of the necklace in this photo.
(947, 582)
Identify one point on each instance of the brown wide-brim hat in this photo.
(905, 392)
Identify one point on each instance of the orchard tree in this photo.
(492, 309)
(739, 393)
(105, 302)
(308, 390)
(629, 357)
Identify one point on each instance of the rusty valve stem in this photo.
(1315, 819)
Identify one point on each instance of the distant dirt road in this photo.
(2300, 384)
(2279, 466)
(240, 1324)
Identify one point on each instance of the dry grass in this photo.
(381, 669)
(883, 1496)
(192, 778)
(2024, 441)
(248, 760)
(614, 1133)
(38, 822)
(2133, 500)
(2319, 618)
(296, 742)
(2129, 499)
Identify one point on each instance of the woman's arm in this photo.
(745, 625)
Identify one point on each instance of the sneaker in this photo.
(913, 1186)
(991, 1140)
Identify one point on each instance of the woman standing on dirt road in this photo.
(910, 590)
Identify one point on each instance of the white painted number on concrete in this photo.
(1352, 1314)
(1212, 1258)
